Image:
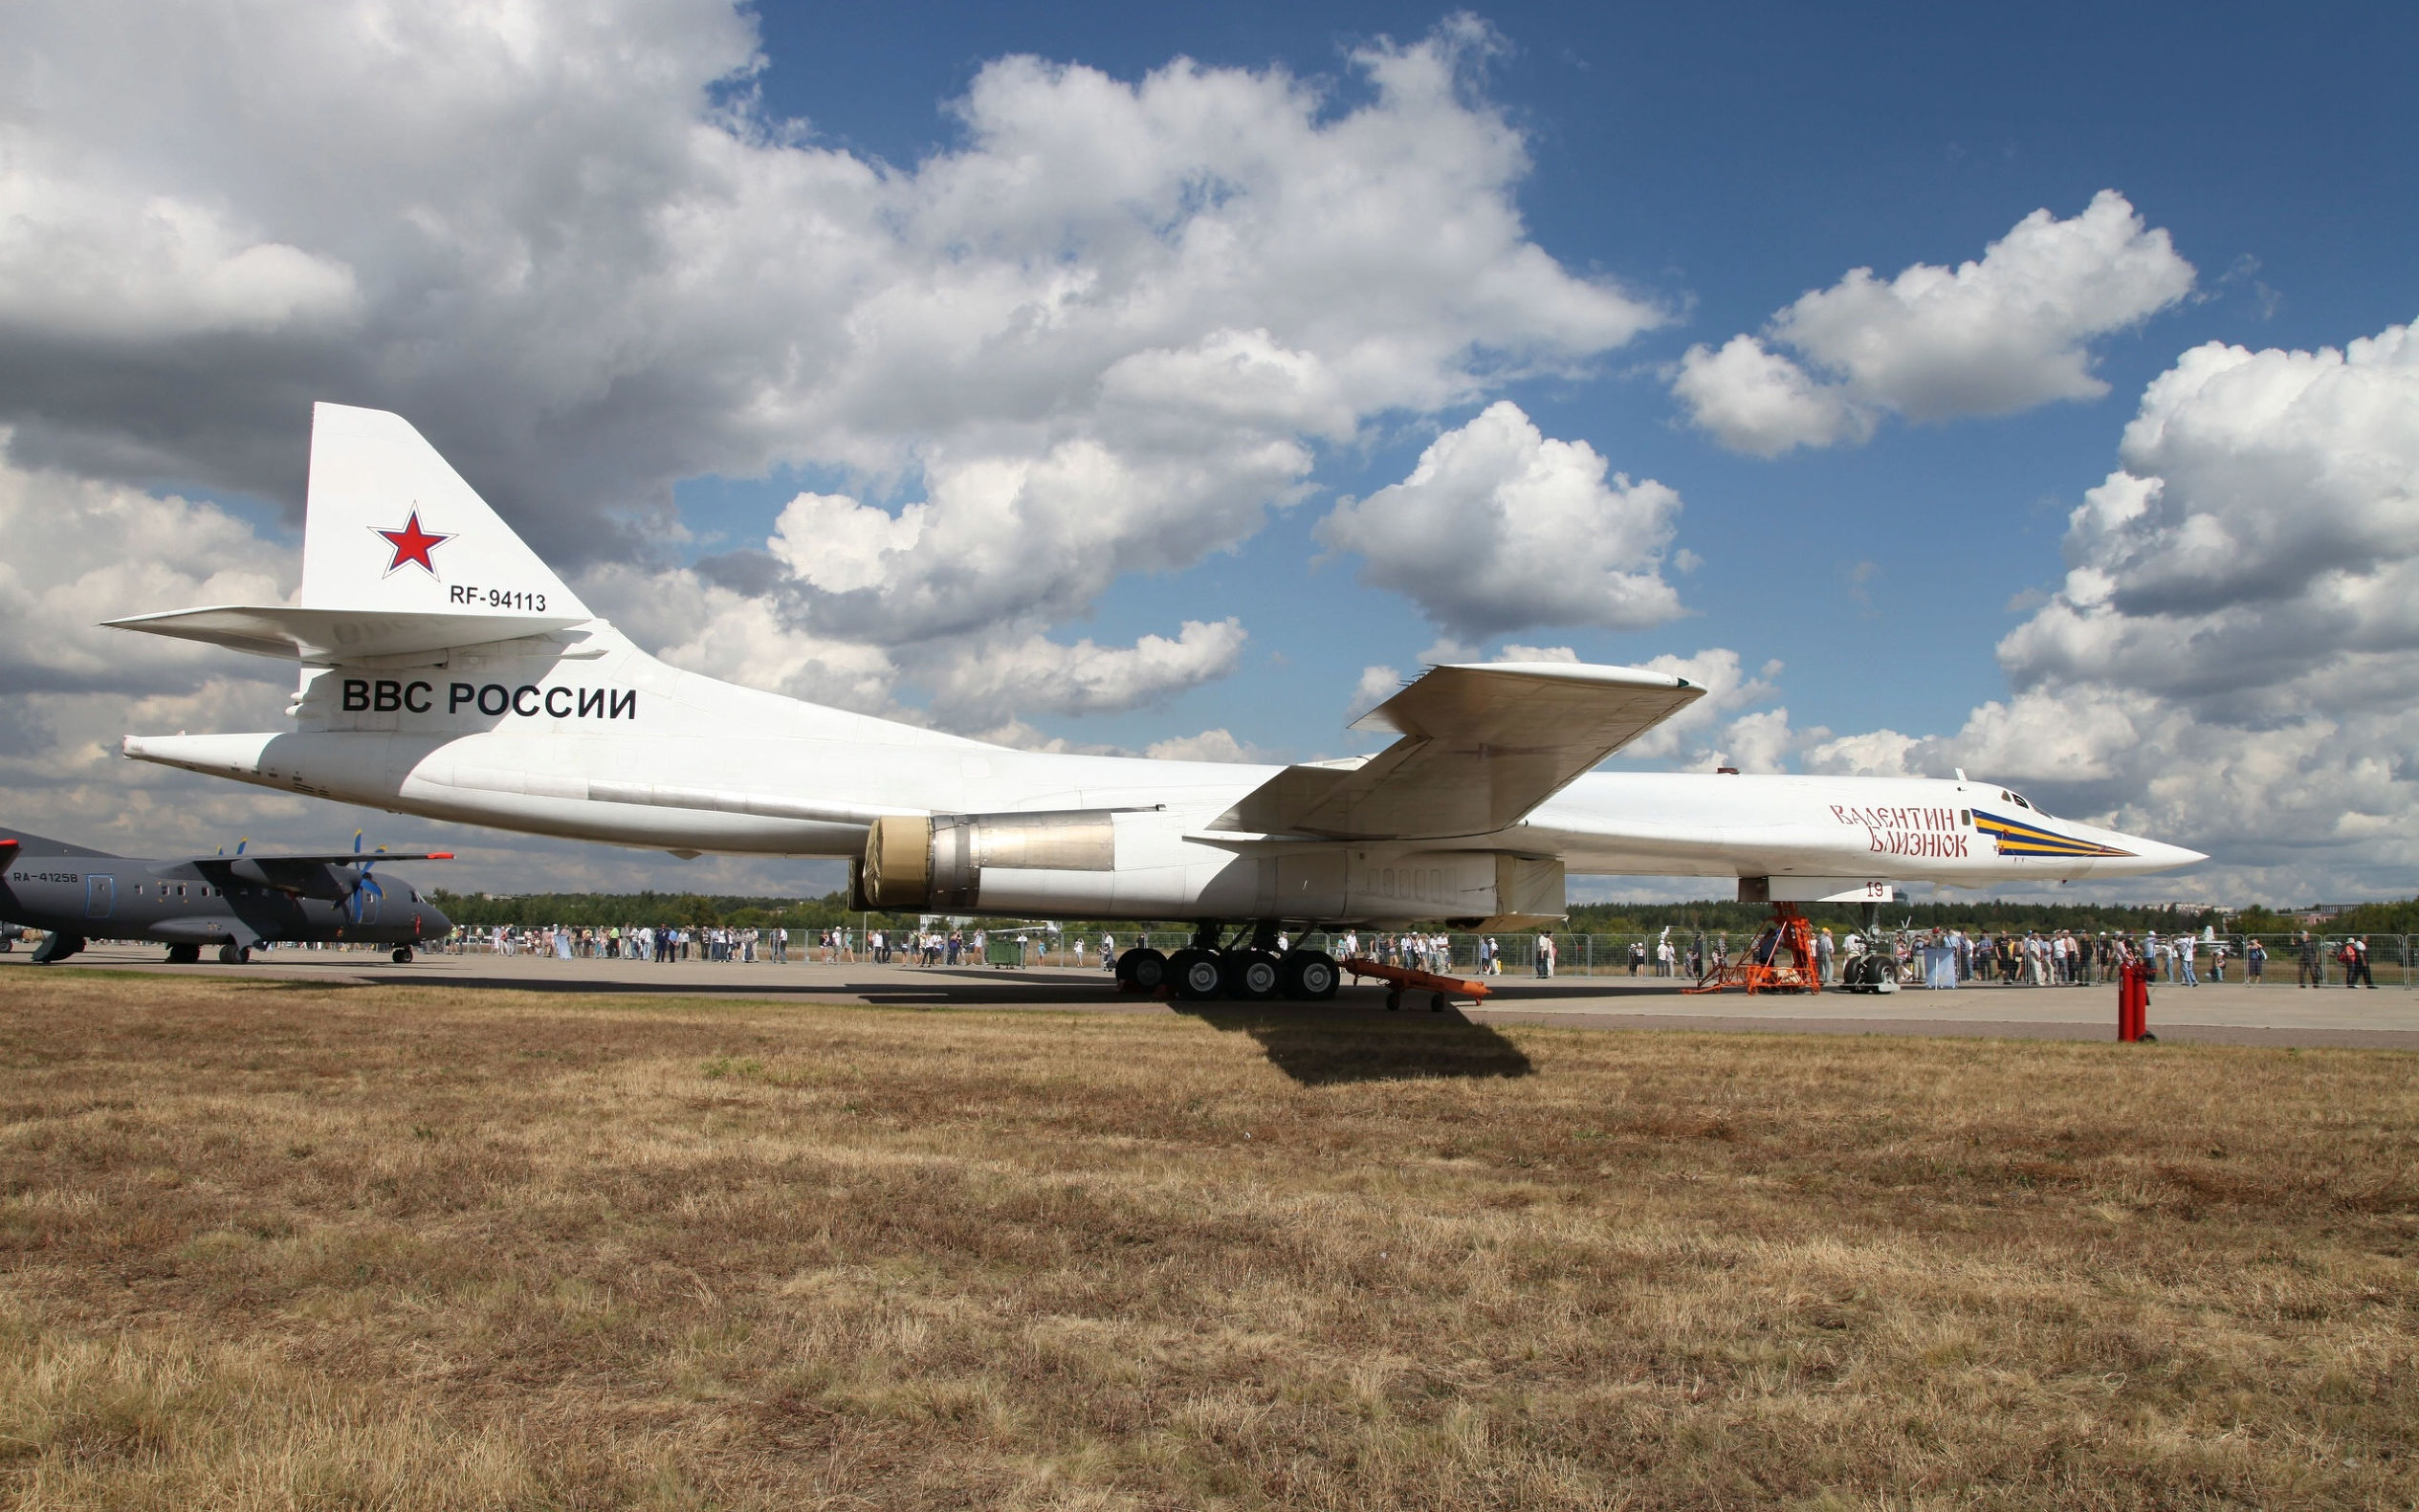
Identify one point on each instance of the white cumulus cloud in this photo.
(1038, 675)
(1096, 334)
(1730, 691)
(2007, 333)
(1500, 527)
(2232, 661)
(1104, 329)
(1210, 745)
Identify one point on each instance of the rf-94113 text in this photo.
(497, 598)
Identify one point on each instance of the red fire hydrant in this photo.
(2133, 1003)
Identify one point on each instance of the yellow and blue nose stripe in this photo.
(2017, 838)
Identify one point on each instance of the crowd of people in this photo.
(2079, 958)
(2003, 957)
(629, 943)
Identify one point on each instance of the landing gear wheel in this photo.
(1435, 1003)
(184, 954)
(1393, 1002)
(1253, 976)
(1142, 968)
(403, 955)
(1310, 975)
(1196, 974)
(1870, 974)
(233, 955)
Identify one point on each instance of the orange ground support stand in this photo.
(1792, 968)
(1405, 978)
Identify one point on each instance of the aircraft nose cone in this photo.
(2158, 856)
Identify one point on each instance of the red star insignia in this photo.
(412, 544)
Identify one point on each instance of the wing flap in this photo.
(1481, 746)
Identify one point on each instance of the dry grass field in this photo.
(267, 1245)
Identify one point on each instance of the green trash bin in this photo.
(1003, 949)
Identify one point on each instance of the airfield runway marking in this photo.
(2274, 1015)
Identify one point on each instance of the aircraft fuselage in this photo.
(610, 744)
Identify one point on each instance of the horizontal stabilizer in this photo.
(329, 637)
(1482, 746)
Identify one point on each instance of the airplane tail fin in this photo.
(14, 843)
(389, 527)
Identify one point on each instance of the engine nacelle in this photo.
(937, 865)
(1142, 863)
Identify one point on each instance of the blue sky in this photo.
(744, 314)
(1730, 158)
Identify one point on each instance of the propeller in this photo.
(363, 882)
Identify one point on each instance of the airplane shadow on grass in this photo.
(1322, 1047)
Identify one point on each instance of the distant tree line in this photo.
(702, 911)
(1991, 915)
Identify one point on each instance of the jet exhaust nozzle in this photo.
(937, 864)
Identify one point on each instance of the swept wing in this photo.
(1479, 747)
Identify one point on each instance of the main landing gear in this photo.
(57, 946)
(188, 953)
(1251, 971)
(403, 955)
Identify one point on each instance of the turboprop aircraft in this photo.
(232, 902)
(447, 671)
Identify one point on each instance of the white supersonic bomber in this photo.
(447, 671)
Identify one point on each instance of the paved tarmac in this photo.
(2274, 1014)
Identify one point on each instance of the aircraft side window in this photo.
(1964, 816)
